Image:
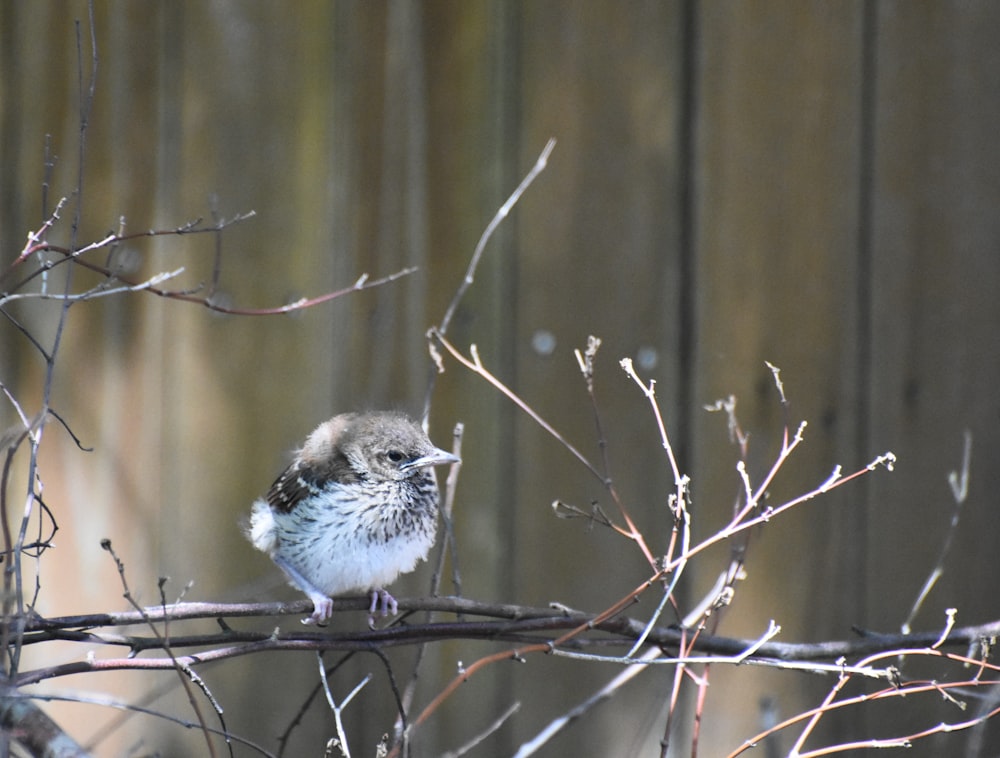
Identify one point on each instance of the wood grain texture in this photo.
(813, 184)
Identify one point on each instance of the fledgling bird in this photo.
(356, 508)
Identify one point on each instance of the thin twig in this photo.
(450, 547)
(897, 689)
(472, 744)
(70, 254)
(338, 710)
(183, 668)
(470, 273)
(130, 709)
(586, 362)
(475, 365)
(958, 481)
(557, 725)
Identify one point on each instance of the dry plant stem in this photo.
(475, 365)
(184, 671)
(515, 624)
(363, 282)
(36, 240)
(681, 482)
(447, 507)
(518, 654)
(741, 522)
(217, 252)
(553, 648)
(908, 689)
(442, 328)
(752, 653)
(472, 744)
(557, 725)
(130, 709)
(470, 274)
(13, 568)
(37, 243)
(32, 432)
(37, 732)
(750, 649)
(675, 693)
(69, 255)
(101, 290)
(449, 547)
(708, 615)
(844, 678)
(668, 597)
(959, 483)
(338, 710)
(653, 655)
(699, 711)
(13, 574)
(297, 718)
(586, 361)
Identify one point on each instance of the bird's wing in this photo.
(293, 485)
(302, 479)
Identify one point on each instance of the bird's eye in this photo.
(395, 456)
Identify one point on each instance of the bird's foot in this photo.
(322, 611)
(322, 604)
(381, 599)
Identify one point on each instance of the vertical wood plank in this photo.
(935, 276)
(598, 243)
(776, 176)
(371, 136)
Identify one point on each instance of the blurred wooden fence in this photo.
(814, 184)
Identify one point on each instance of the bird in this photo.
(356, 507)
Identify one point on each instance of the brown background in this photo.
(815, 184)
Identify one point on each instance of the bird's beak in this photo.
(436, 457)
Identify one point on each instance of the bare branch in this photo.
(501, 214)
(183, 668)
(35, 730)
(475, 365)
(338, 710)
(959, 484)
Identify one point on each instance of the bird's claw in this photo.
(322, 611)
(382, 600)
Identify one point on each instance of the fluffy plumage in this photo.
(356, 508)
